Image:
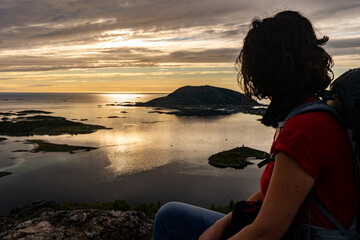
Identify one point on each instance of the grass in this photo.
(224, 209)
(150, 209)
(52, 147)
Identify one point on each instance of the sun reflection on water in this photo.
(130, 152)
(122, 97)
(134, 159)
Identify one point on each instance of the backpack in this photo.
(342, 101)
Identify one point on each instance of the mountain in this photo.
(201, 96)
(202, 101)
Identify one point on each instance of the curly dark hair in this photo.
(282, 54)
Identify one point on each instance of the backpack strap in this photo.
(318, 105)
(266, 159)
(326, 213)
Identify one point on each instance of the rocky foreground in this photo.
(76, 224)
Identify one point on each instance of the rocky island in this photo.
(44, 125)
(42, 146)
(235, 158)
(3, 174)
(203, 101)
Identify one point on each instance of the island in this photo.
(21, 125)
(42, 146)
(3, 174)
(203, 101)
(7, 113)
(44, 125)
(33, 112)
(235, 158)
(24, 112)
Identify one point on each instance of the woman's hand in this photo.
(217, 229)
(289, 185)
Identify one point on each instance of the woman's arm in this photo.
(289, 185)
(256, 197)
(218, 228)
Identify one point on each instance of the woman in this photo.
(283, 60)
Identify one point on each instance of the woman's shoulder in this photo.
(315, 122)
(316, 132)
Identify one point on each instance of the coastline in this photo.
(168, 162)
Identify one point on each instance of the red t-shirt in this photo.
(320, 145)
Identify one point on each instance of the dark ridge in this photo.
(201, 96)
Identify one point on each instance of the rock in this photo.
(7, 223)
(82, 224)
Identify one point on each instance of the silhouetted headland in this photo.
(203, 101)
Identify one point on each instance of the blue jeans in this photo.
(177, 220)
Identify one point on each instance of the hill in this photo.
(202, 101)
(201, 96)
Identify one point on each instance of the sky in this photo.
(148, 45)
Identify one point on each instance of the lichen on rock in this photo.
(83, 224)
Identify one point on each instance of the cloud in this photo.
(124, 57)
(60, 20)
(219, 55)
(344, 47)
(37, 35)
(344, 43)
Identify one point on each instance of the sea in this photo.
(143, 157)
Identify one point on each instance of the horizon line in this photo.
(94, 92)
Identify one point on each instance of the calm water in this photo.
(144, 157)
